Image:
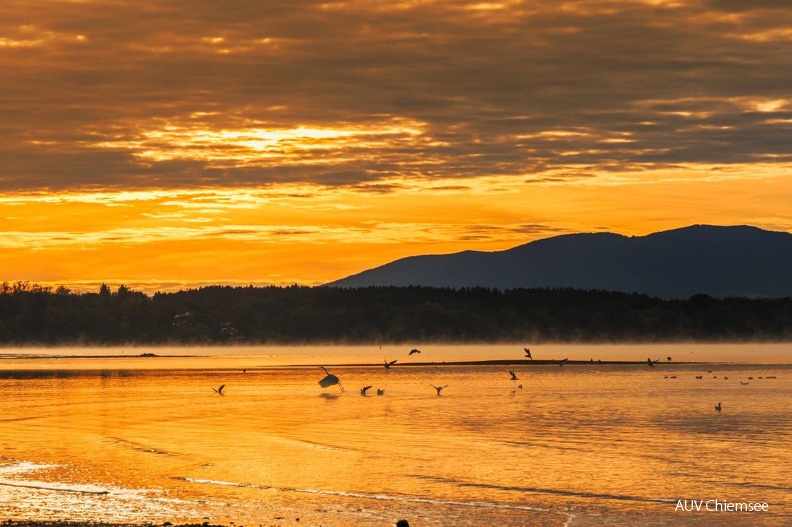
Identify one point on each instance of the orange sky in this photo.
(169, 144)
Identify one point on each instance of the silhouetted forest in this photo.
(36, 315)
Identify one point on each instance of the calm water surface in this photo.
(130, 439)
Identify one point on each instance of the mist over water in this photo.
(266, 355)
(139, 439)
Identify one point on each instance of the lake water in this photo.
(103, 434)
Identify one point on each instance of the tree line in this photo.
(31, 314)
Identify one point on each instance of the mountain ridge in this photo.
(720, 261)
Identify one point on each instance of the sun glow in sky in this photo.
(177, 143)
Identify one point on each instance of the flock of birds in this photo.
(718, 406)
(332, 380)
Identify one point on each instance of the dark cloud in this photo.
(93, 93)
(741, 7)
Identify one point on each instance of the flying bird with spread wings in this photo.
(329, 380)
(438, 388)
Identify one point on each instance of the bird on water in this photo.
(364, 390)
(718, 407)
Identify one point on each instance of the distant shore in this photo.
(483, 362)
(36, 523)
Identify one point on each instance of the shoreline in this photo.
(69, 523)
(482, 362)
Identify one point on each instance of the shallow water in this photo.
(131, 439)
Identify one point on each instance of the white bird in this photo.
(219, 390)
(438, 388)
(330, 380)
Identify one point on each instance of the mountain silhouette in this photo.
(720, 261)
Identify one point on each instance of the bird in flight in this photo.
(438, 388)
(364, 390)
(718, 407)
(651, 362)
(562, 361)
(219, 390)
(389, 364)
(330, 380)
(414, 351)
(528, 353)
(380, 391)
(513, 375)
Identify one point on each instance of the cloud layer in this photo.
(107, 94)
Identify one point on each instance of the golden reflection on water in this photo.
(149, 440)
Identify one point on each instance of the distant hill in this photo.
(717, 261)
